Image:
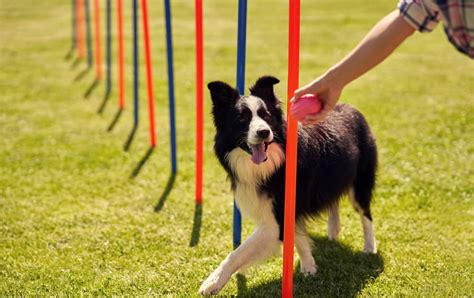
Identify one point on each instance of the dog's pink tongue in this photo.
(258, 153)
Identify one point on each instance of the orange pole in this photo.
(149, 75)
(98, 62)
(81, 49)
(199, 100)
(291, 149)
(120, 55)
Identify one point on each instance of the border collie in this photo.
(335, 157)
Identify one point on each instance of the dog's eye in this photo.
(264, 114)
(245, 115)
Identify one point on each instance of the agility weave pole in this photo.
(291, 149)
(199, 100)
(81, 51)
(88, 34)
(169, 52)
(149, 74)
(121, 75)
(241, 47)
(73, 28)
(108, 85)
(135, 63)
(98, 51)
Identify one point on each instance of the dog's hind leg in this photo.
(303, 246)
(334, 223)
(262, 244)
(366, 218)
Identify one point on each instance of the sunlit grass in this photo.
(72, 222)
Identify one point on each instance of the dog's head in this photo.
(249, 122)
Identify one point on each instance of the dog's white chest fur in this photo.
(249, 177)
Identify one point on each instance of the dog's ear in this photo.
(222, 93)
(263, 88)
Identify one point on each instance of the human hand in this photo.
(327, 92)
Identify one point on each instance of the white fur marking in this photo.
(260, 245)
(369, 237)
(370, 245)
(250, 176)
(257, 123)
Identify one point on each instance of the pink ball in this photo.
(307, 104)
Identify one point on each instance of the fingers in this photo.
(310, 88)
(316, 118)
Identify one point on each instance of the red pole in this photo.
(149, 75)
(291, 149)
(120, 55)
(98, 62)
(80, 29)
(199, 100)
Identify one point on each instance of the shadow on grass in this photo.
(241, 284)
(166, 192)
(141, 163)
(115, 120)
(342, 272)
(69, 54)
(82, 74)
(104, 102)
(130, 138)
(91, 88)
(75, 63)
(196, 232)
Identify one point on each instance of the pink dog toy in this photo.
(308, 104)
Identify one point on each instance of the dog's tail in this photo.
(364, 183)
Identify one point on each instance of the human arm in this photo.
(377, 45)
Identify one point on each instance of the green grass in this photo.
(72, 222)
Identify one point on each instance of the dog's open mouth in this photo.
(259, 152)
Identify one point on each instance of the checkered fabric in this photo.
(456, 15)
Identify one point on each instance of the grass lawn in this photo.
(73, 222)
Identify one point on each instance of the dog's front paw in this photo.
(214, 283)
(370, 249)
(308, 269)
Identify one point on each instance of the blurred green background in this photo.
(72, 222)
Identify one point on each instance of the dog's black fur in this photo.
(333, 156)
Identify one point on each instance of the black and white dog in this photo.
(335, 157)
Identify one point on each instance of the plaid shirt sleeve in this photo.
(419, 15)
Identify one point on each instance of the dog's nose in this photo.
(263, 133)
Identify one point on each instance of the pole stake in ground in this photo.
(291, 149)
(169, 47)
(88, 34)
(135, 76)
(88, 42)
(81, 51)
(121, 84)
(98, 51)
(149, 74)
(241, 47)
(135, 63)
(108, 86)
(73, 30)
(199, 100)
(120, 58)
(109, 48)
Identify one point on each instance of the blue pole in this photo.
(241, 45)
(135, 63)
(169, 46)
(109, 48)
(73, 35)
(89, 34)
